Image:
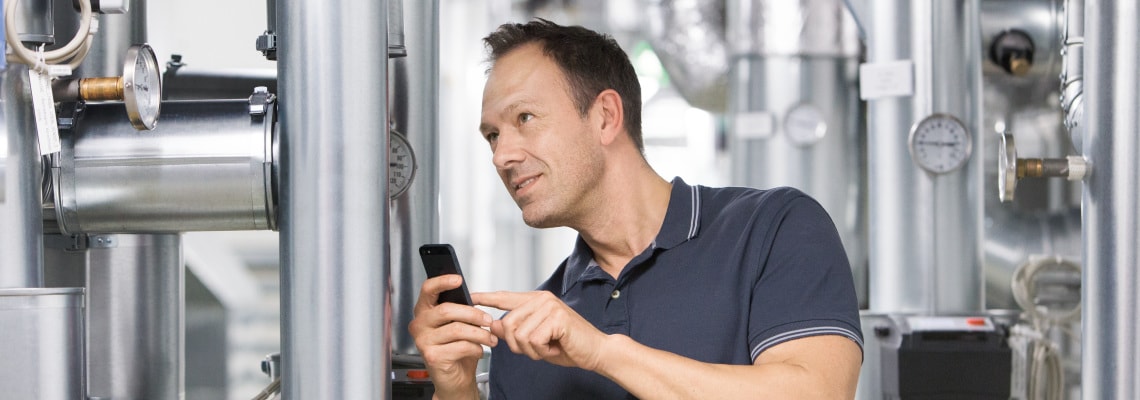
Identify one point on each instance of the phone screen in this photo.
(439, 259)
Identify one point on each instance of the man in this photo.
(672, 291)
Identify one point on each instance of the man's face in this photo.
(547, 155)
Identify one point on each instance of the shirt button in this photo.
(616, 293)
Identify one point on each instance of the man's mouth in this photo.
(525, 183)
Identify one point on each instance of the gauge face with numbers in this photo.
(940, 143)
(401, 165)
(142, 87)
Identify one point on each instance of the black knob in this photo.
(1013, 51)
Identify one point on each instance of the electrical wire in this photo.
(72, 53)
(273, 388)
(1045, 367)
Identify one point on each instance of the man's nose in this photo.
(508, 151)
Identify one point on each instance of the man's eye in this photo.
(491, 137)
(525, 117)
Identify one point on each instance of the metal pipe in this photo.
(415, 110)
(396, 46)
(207, 167)
(336, 331)
(1072, 72)
(21, 221)
(800, 76)
(135, 323)
(1110, 300)
(689, 38)
(41, 337)
(925, 242)
(36, 20)
(180, 82)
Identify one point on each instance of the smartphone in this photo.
(439, 259)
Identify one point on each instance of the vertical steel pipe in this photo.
(336, 330)
(21, 218)
(41, 338)
(1110, 301)
(925, 229)
(415, 111)
(135, 323)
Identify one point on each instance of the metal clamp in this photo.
(260, 100)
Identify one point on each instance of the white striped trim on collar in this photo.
(695, 216)
(800, 333)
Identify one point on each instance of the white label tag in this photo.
(754, 125)
(886, 79)
(44, 106)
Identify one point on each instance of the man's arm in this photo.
(544, 328)
(816, 367)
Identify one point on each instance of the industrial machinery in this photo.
(901, 117)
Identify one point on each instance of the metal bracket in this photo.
(102, 242)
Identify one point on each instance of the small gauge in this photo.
(142, 87)
(805, 125)
(401, 165)
(940, 143)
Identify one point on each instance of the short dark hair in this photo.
(592, 62)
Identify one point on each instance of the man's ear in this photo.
(608, 104)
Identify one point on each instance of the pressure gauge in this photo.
(940, 143)
(401, 165)
(805, 125)
(142, 87)
(1007, 168)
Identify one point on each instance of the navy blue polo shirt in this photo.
(732, 272)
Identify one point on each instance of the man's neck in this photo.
(629, 219)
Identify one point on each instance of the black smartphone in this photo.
(439, 259)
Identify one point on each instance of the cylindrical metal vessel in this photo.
(41, 339)
(925, 228)
(336, 315)
(415, 214)
(135, 328)
(206, 167)
(794, 115)
(21, 221)
(1110, 301)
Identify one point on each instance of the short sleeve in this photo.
(804, 285)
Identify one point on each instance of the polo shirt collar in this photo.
(682, 222)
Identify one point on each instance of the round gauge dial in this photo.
(940, 143)
(805, 125)
(401, 165)
(142, 87)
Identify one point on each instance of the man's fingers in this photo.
(506, 301)
(430, 290)
(446, 313)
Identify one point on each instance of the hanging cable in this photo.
(72, 53)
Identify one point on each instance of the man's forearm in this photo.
(650, 373)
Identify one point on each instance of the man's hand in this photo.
(450, 337)
(542, 327)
